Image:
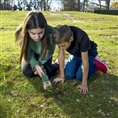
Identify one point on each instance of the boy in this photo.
(83, 51)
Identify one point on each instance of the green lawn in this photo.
(23, 97)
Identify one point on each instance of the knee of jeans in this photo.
(79, 77)
(68, 75)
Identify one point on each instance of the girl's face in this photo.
(36, 34)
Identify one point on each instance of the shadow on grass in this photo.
(100, 102)
(63, 100)
(2, 112)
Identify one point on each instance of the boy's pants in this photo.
(73, 68)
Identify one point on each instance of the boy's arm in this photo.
(61, 58)
(85, 68)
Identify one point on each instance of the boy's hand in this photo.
(59, 79)
(83, 89)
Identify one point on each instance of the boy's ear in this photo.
(71, 38)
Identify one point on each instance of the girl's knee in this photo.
(27, 70)
(28, 73)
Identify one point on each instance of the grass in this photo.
(23, 97)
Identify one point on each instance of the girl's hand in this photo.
(39, 71)
(83, 89)
(35, 72)
(59, 79)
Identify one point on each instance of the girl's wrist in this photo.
(36, 66)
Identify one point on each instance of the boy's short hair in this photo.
(61, 33)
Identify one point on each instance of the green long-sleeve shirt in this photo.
(35, 48)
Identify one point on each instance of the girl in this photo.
(37, 47)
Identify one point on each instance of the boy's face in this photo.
(65, 45)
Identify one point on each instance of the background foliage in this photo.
(58, 5)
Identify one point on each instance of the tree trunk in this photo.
(78, 5)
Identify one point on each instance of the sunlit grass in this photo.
(25, 97)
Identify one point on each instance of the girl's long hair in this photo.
(33, 20)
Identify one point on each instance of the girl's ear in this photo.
(71, 38)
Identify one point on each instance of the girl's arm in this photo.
(32, 60)
(35, 64)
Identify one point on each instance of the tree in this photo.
(85, 5)
(107, 4)
(115, 4)
(99, 3)
(78, 5)
(71, 5)
(5, 4)
(42, 5)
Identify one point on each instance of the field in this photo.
(22, 97)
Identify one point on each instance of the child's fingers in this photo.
(35, 72)
(78, 87)
(84, 91)
(54, 81)
(62, 81)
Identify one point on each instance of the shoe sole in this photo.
(103, 64)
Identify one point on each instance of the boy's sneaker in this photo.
(101, 66)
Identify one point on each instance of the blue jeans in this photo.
(73, 68)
